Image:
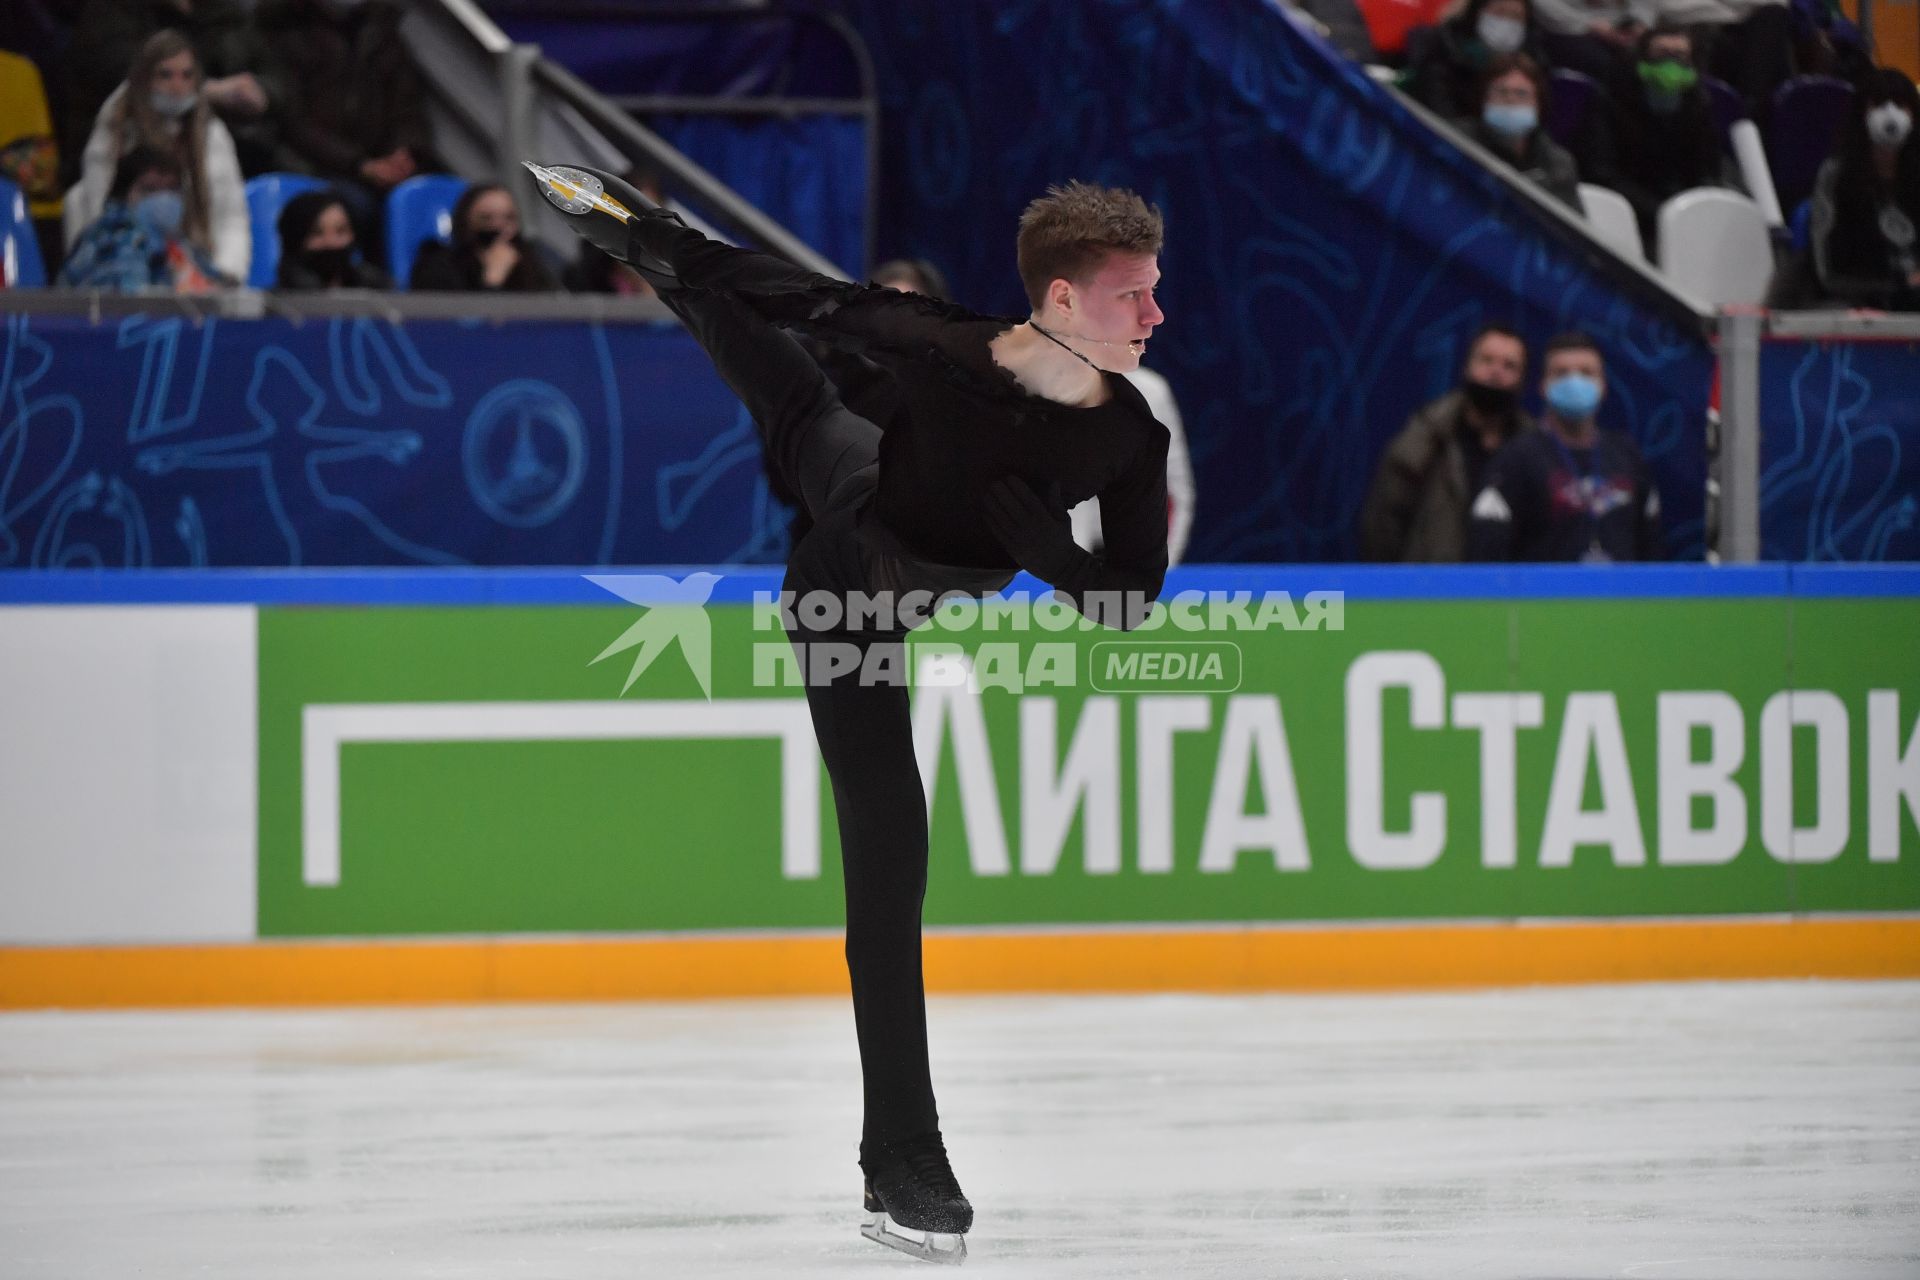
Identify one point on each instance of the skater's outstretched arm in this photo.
(1116, 587)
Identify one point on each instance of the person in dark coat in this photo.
(1661, 139)
(1866, 203)
(488, 252)
(317, 249)
(1513, 99)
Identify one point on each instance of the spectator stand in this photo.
(418, 210)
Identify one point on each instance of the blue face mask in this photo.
(1513, 120)
(1574, 396)
(162, 211)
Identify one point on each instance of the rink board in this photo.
(1440, 779)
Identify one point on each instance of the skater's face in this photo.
(1115, 305)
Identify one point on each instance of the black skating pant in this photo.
(829, 456)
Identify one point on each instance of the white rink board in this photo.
(1675, 1132)
(128, 774)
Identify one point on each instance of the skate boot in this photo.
(914, 1203)
(609, 213)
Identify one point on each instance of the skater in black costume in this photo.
(1007, 424)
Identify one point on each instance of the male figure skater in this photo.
(1007, 424)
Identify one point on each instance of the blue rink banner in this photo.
(1840, 450)
(155, 441)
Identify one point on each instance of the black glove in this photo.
(1036, 533)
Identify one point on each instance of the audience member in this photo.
(137, 242)
(1447, 62)
(1417, 507)
(1866, 203)
(1747, 43)
(243, 84)
(488, 252)
(1660, 140)
(1512, 98)
(1568, 491)
(317, 248)
(161, 106)
(363, 120)
(1594, 37)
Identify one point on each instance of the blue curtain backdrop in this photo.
(1327, 256)
(151, 441)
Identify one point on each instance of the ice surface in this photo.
(1686, 1132)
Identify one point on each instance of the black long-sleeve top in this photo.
(965, 422)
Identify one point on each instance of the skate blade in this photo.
(928, 1246)
(575, 191)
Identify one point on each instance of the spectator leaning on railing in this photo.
(1417, 507)
(1568, 491)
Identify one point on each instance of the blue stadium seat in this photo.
(267, 195)
(418, 210)
(20, 264)
(1801, 225)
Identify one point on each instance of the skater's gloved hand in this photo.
(1035, 532)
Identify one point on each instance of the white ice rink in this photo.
(1733, 1132)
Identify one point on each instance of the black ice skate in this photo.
(605, 211)
(914, 1203)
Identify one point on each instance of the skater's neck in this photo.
(1049, 368)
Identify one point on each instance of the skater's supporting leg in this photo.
(866, 738)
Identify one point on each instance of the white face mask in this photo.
(173, 105)
(1889, 124)
(1502, 35)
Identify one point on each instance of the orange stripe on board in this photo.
(1251, 959)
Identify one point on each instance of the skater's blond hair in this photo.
(1067, 233)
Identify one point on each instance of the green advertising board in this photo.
(578, 768)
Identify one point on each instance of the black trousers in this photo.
(829, 456)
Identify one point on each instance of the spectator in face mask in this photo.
(1659, 139)
(317, 250)
(1447, 62)
(137, 243)
(1866, 204)
(488, 251)
(161, 107)
(1417, 508)
(1569, 491)
(1512, 100)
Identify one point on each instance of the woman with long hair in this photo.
(161, 107)
(488, 252)
(1866, 204)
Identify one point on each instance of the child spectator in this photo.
(137, 243)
